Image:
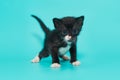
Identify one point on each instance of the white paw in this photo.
(55, 65)
(76, 63)
(35, 60)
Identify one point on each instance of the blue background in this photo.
(21, 39)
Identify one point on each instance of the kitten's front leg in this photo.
(74, 56)
(55, 59)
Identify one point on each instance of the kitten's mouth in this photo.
(70, 40)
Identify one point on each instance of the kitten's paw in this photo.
(55, 65)
(66, 58)
(35, 60)
(76, 63)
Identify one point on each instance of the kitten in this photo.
(60, 40)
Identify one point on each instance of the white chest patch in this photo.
(63, 50)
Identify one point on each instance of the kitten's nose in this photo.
(69, 37)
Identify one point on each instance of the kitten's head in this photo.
(69, 27)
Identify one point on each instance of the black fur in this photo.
(54, 39)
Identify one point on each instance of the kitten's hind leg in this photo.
(44, 53)
(35, 60)
(64, 57)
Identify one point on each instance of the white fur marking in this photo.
(67, 37)
(63, 50)
(55, 65)
(35, 60)
(76, 63)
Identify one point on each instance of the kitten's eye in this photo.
(75, 31)
(64, 32)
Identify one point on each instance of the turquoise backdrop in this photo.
(21, 38)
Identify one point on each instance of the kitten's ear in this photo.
(57, 23)
(79, 20)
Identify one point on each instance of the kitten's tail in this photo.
(44, 27)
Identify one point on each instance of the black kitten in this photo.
(60, 40)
